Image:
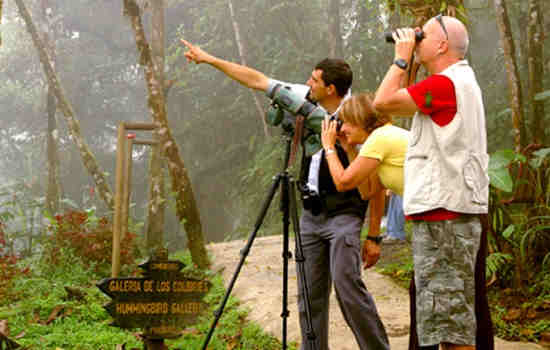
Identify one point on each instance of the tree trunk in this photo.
(156, 209)
(53, 188)
(336, 49)
(514, 86)
(243, 54)
(186, 206)
(519, 11)
(535, 58)
(1, 7)
(73, 125)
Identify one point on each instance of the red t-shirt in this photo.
(435, 96)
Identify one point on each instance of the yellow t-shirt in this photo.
(388, 144)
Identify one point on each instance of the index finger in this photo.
(186, 43)
(395, 35)
(401, 33)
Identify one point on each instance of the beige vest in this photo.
(446, 167)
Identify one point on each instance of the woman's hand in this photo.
(370, 253)
(349, 148)
(328, 134)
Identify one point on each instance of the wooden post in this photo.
(117, 220)
(123, 184)
(139, 126)
(127, 184)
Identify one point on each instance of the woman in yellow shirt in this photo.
(379, 165)
(376, 167)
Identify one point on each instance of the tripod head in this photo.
(286, 105)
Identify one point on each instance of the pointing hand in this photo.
(195, 53)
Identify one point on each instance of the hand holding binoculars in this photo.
(389, 37)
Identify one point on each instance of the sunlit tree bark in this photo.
(156, 208)
(73, 125)
(54, 188)
(514, 85)
(243, 54)
(186, 206)
(535, 55)
(336, 49)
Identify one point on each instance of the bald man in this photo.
(446, 178)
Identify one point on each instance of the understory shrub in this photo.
(90, 239)
(8, 269)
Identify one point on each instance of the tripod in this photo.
(288, 207)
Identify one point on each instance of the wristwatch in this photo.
(376, 239)
(401, 63)
(329, 151)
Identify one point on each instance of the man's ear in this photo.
(331, 89)
(443, 46)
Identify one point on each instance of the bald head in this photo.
(446, 42)
(458, 36)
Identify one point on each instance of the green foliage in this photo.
(400, 272)
(519, 214)
(525, 234)
(9, 270)
(497, 262)
(397, 262)
(518, 318)
(47, 319)
(20, 215)
(257, 179)
(499, 174)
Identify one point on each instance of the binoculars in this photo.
(389, 38)
(338, 121)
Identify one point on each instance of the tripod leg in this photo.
(244, 254)
(285, 202)
(311, 337)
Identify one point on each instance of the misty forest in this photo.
(82, 81)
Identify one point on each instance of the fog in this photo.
(213, 119)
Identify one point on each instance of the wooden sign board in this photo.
(162, 302)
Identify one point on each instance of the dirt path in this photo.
(259, 288)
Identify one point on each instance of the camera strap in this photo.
(298, 133)
(315, 164)
(313, 174)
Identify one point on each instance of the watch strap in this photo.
(401, 63)
(376, 239)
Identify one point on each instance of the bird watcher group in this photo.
(437, 172)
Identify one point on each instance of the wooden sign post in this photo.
(162, 302)
(123, 182)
